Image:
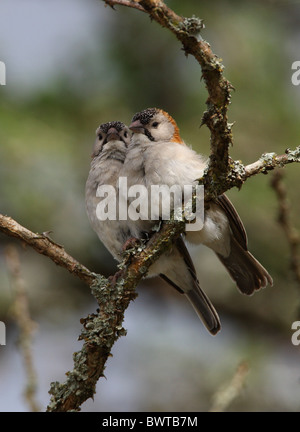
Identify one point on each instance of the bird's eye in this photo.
(100, 136)
(155, 124)
(125, 134)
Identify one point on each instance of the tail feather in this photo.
(245, 270)
(201, 303)
(182, 276)
(204, 309)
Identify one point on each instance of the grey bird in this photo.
(109, 152)
(158, 155)
(175, 266)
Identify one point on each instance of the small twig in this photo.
(24, 322)
(284, 219)
(239, 173)
(226, 394)
(132, 4)
(269, 161)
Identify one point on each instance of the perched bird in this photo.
(175, 266)
(112, 140)
(158, 155)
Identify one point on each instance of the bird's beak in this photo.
(112, 134)
(137, 127)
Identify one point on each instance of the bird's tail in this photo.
(204, 309)
(245, 270)
(182, 276)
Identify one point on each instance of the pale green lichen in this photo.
(293, 155)
(193, 26)
(268, 158)
(237, 171)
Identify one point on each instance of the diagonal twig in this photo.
(128, 3)
(24, 322)
(284, 219)
(227, 393)
(45, 246)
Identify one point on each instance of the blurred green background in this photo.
(72, 65)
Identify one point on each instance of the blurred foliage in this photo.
(46, 140)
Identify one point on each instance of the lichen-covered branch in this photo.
(239, 173)
(102, 329)
(269, 161)
(43, 244)
(222, 173)
(188, 32)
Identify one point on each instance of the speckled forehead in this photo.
(145, 116)
(113, 124)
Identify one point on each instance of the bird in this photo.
(158, 155)
(109, 152)
(175, 266)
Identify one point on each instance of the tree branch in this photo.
(239, 173)
(188, 32)
(269, 161)
(45, 246)
(227, 393)
(26, 325)
(102, 329)
(133, 4)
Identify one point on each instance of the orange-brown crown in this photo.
(176, 137)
